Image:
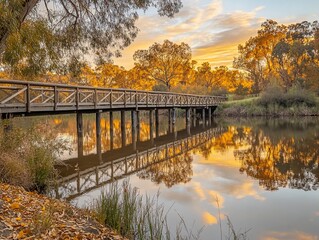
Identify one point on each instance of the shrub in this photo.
(28, 157)
(273, 94)
(300, 96)
(274, 97)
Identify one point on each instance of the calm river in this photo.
(261, 173)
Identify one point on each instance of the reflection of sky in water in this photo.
(285, 213)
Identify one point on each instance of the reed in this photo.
(123, 209)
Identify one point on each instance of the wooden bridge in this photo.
(20, 98)
(29, 98)
(84, 174)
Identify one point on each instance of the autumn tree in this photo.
(101, 28)
(295, 55)
(204, 76)
(255, 56)
(166, 63)
(109, 75)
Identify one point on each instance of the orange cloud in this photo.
(296, 235)
(212, 34)
(209, 218)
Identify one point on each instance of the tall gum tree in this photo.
(100, 27)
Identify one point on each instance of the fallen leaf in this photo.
(21, 234)
(15, 205)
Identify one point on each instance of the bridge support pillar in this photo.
(209, 116)
(157, 122)
(79, 128)
(111, 131)
(98, 135)
(188, 120)
(174, 123)
(151, 126)
(138, 126)
(204, 117)
(169, 120)
(123, 130)
(194, 117)
(133, 124)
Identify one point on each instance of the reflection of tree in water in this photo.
(282, 156)
(170, 172)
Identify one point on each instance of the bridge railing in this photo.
(22, 96)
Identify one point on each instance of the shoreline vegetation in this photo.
(121, 212)
(273, 102)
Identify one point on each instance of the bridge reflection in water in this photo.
(86, 173)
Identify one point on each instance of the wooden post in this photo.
(111, 131)
(98, 135)
(209, 116)
(133, 126)
(56, 98)
(194, 117)
(169, 120)
(203, 117)
(151, 126)
(188, 120)
(157, 122)
(28, 98)
(123, 130)
(79, 124)
(138, 126)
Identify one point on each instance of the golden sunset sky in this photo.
(214, 28)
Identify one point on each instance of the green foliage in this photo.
(27, 158)
(32, 50)
(296, 96)
(98, 27)
(299, 96)
(273, 102)
(273, 94)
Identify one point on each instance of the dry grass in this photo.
(27, 157)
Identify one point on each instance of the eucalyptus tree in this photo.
(97, 27)
(166, 63)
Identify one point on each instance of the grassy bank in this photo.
(273, 102)
(28, 156)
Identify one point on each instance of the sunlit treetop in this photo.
(99, 27)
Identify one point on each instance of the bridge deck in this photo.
(21, 97)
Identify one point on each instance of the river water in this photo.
(260, 173)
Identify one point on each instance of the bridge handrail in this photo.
(42, 84)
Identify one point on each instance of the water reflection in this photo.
(165, 159)
(279, 153)
(260, 170)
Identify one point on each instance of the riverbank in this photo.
(28, 215)
(253, 107)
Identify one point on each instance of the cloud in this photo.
(199, 190)
(212, 34)
(295, 235)
(216, 199)
(209, 218)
